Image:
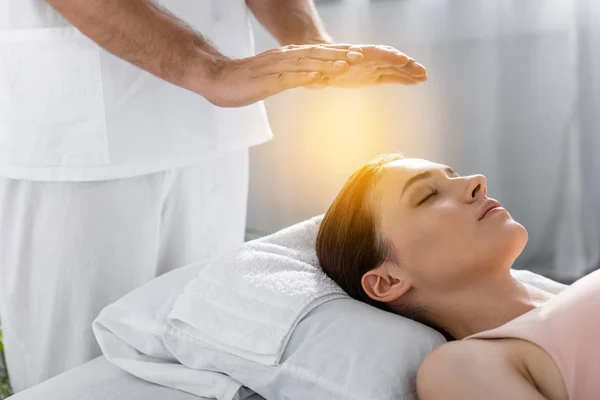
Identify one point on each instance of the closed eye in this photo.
(432, 193)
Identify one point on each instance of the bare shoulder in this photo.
(457, 358)
(475, 369)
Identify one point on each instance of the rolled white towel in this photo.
(249, 302)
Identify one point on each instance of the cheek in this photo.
(437, 242)
(445, 245)
(424, 247)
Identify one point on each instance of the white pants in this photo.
(69, 249)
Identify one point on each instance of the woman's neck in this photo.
(485, 305)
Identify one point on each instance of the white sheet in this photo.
(101, 380)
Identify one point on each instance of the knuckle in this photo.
(338, 65)
(301, 61)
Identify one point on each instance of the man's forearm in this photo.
(290, 21)
(145, 35)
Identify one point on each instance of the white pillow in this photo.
(343, 349)
(130, 333)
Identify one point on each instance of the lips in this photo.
(488, 205)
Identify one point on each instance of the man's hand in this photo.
(297, 22)
(236, 83)
(380, 64)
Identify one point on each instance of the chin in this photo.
(513, 239)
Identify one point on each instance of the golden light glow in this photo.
(332, 132)
(343, 129)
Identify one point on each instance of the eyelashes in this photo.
(433, 191)
(430, 194)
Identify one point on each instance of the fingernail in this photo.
(420, 68)
(353, 55)
(339, 63)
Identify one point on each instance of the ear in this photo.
(386, 283)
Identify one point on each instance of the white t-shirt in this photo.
(71, 111)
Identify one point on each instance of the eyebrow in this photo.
(424, 175)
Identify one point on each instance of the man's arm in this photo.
(290, 21)
(151, 38)
(145, 35)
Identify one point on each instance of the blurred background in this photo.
(513, 93)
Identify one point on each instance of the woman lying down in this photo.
(412, 237)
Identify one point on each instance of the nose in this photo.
(476, 187)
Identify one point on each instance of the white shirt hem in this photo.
(100, 172)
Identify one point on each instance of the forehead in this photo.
(388, 187)
(398, 172)
(394, 175)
